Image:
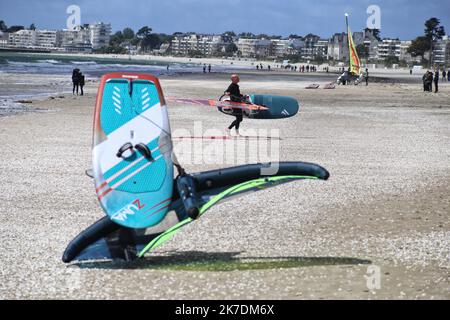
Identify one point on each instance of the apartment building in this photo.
(285, 47)
(100, 34)
(206, 44)
(254, 48)
(441, 52)
(389, 48)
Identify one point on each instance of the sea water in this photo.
(26, 76)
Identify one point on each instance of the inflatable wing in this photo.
(107, 240)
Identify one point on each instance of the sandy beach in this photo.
(385, 209)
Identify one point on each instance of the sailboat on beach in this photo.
(353, 74)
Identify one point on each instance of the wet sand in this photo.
(384, 209)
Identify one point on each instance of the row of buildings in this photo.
(248, 47)
(84, 38)
(90, 37)
(308, 48)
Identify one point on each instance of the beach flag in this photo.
(355, 64)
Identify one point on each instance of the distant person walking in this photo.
(444, 75)
(209, 68)
(204, 68)
(448, 75)
(366, 76)
(75, 80)
(436, 81)
(82, 83)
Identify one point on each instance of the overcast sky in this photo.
(402, 19)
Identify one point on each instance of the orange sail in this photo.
(355, 64)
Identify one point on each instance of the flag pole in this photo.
(348, 39)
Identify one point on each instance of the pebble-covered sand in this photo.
(385, 209)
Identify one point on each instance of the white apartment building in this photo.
(338, 47)
(253, 48)
(23, 39)
(338, 44)
(389, 48)
(82, 39)
(100, 34)
(404, 55)
(78, 40)
(4, 37)
(43, 39)
(441, 52)
(320, 48)
(206, 44)
(48, 39)
(284, 47)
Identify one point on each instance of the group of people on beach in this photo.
(78, 81)
(261, 67)
(206, 67)
(302, 68)
(429, 78)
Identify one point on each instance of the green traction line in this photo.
(169, 233)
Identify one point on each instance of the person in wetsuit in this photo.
(235, 95)
(75, 80)
(82, 82)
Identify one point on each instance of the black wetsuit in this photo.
(75, 81)
(235, 96)
(436, 81)
(81, 76)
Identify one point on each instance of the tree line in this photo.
(5, 28)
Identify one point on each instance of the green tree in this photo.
(195, 54)
(247, 35)
(231, 48)
(419, 46)
(433, 29)
(112, 49)
(229, 34)
(128, 33)
(295, 36)
(3, 26)
(389, 61)
(375, 33)
(32, 26)
(116, 39)
(15, 29)
(145, 38)
(144, 32)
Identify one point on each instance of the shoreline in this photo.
(226, 61)
(51, 86)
